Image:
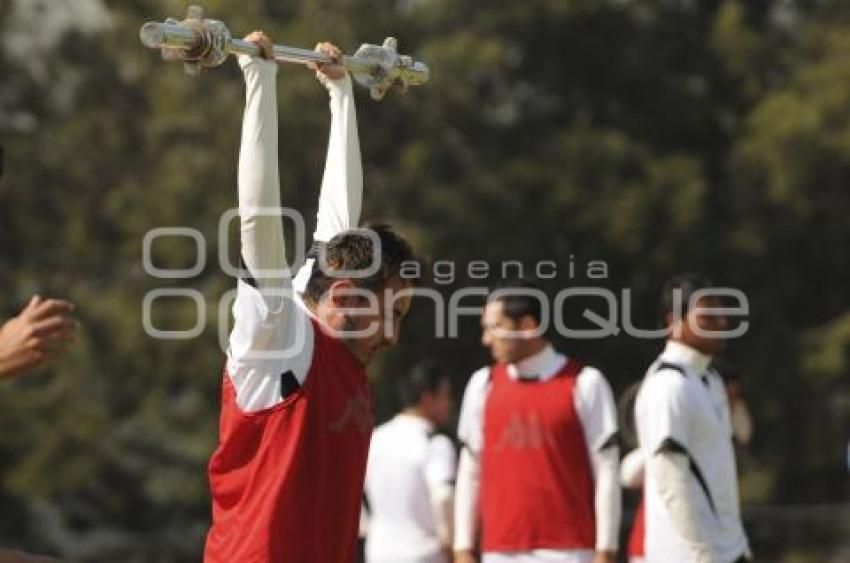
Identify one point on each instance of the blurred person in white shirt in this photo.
(410, 475)
(685, 432)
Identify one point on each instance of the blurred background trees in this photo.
(657, 136)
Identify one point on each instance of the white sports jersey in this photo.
(691, 409)
(408, 466)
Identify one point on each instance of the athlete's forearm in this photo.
(672, 477)
(631, 470)
(442, 503)
(607, 501)
(341, 195)
(259, 184)
(467, 491)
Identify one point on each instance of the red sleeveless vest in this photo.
(287, 481)
(536, 478)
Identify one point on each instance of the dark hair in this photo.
(424, 377)
(677, 294)
(354, 251)
(516, 301)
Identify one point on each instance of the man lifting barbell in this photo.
(296, 415)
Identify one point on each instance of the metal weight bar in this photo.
(206, 43)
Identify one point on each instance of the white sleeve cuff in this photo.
(336, 87)
(248, 63)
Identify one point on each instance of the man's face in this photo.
(495, 334)
(378, 329)
(700, 320)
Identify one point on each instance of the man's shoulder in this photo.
(589, 374)
(664, 382)
(478, 380)
(383, 432)
(394, 436)
(271, 346)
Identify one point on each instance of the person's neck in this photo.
(534, 347)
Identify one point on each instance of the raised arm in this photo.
(341, 195)
(271, 335)
(261, 228)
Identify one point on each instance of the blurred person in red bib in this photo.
(538, 467)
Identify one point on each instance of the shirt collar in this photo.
(544, 364)
(682, 354)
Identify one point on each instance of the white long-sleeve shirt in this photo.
(692, 505)
(272, 333)
(409, 481)
(596, 410)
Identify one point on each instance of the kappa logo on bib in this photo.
(356, 410)
(524, 431)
